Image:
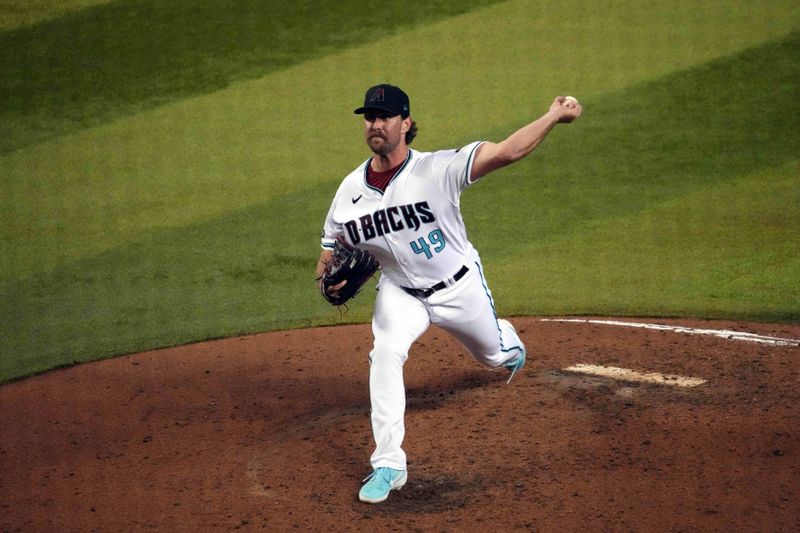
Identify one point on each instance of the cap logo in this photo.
(377, 96)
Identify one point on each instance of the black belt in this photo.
(424, 293)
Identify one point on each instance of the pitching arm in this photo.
(491, 156)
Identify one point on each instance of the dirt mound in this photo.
(272, 432)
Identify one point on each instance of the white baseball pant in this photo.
(465, 309)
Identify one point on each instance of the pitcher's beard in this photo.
(380, 146)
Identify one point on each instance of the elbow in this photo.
(508, 154)
(491, 157)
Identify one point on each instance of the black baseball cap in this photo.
(385, 97)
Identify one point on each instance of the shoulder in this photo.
(444, 161)
(454, 157)
(449, 154)
(425, 159)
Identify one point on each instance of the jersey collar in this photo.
(399, 170)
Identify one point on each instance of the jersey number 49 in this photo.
(435, 242)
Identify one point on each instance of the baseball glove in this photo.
(347, 263)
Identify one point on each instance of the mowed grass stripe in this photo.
(200, 158)
(725, 250)
(239, 273)
(652, 142)
(15, 14)
(594, 241)
(674, 197)
(91, 66)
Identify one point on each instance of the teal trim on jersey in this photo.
(494, 311)
(366, 167)
(468, 171)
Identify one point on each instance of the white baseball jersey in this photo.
(415, 228)
(416, 232)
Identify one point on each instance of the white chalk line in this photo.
(626, 374)
(722, 333)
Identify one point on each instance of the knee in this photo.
(385, 355)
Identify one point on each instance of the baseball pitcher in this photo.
(399, 210)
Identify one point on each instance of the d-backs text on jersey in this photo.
(389, 220)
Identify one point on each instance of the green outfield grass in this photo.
(92, 65)
(175, 212)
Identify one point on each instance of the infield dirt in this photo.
(272, 432)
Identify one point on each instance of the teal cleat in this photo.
(515, 364)
(380, 482)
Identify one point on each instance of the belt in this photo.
(424, 293)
